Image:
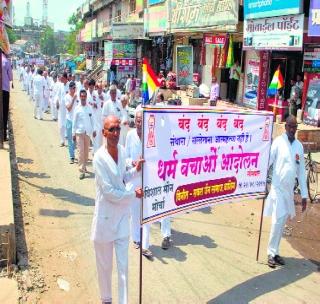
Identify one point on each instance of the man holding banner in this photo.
(287, 158)
(110, 226)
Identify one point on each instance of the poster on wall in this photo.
(271, 8)
(198, 157)
(184, 64)
(277, 33)
(251, 83)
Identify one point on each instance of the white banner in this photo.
(198, 157)
(276, 33)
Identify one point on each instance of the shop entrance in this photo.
(290, 65)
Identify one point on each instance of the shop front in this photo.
(281, 37)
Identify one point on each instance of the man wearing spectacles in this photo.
(110, 227)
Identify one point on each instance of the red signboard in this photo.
(122, 62)
(215, 39)
(263, 79)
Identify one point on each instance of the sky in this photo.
(58, 11)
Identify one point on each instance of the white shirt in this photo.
(82, 120)
(68, 102)
(133, 149)
(113, 196)
(38, 85)
(112, 108)
(63, 90)
(288, 163)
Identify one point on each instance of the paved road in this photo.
(212, 260)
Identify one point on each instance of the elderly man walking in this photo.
(82, 130)
(110, 227)
(38, 87)
(287, 159)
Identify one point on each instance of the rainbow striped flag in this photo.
(276, 83)
(150, 82)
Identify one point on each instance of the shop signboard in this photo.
(215, 39)
(263, 79)
(189, 14)
(314, 19)
(254, 9)
(155, 20)
(200, 156)
(277, 33)
(127, 31)
(184, 65)
(153, 2)
(124, 50)
(311, 59)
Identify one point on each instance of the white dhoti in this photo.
(54, 112)
(38, 113)
(166, 227)
(276, 232)
(104, 258)
(135, 209)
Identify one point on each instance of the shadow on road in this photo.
(294, 270)
(60, 213)
(64, 195)
(181, 239)
(28, 174)
(21, 160)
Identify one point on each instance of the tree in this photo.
(71, 40)
(12, 35)
(47, 42)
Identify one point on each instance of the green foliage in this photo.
(47, 42)
(71, 40)
(12, 35)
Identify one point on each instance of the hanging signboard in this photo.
(277, 33)
(124, 50)
(203, 13)
(198, 157)
(184, 64)
(254, 9)
(314, 19)
(215, 39)
(155, 19)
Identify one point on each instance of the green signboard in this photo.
(184, 64)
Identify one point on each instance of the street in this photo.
(212, 259)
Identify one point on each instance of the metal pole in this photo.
(260, 230)
(141, 216)
(1, 105)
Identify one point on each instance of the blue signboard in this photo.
(152, 2)
(254, 9)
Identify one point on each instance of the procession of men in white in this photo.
(87, 115)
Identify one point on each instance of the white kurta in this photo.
(62, 111)
(288, 163)
(113, 196)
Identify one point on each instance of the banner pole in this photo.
(141, 213)
(260, 229)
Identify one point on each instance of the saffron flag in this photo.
(230, 58)
(150, 82)
(276, 83)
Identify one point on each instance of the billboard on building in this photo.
(314, 19)
(127, 31)
(254, 9)
(193, 14)
(155, 20)
(276, 33)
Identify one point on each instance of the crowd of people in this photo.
(91, 113)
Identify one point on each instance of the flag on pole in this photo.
(150, 82)
(276, 83)
(230, 58)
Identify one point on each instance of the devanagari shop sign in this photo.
(198, 157)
